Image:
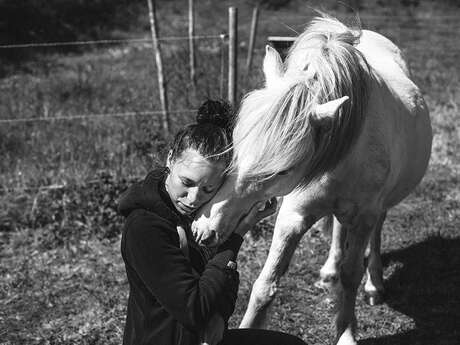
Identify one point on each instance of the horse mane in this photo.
(274, 130)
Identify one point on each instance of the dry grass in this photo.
(62, 277)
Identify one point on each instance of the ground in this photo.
(62, 276)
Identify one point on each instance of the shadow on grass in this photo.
(427, 289)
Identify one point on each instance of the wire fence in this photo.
(221, 37)
(111, 41)
(112, 80)
(96, 116)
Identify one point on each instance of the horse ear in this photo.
(324, 113)
(273, 66)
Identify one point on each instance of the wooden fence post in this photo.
(191, 42)
(252, 39)
(232, 54)
(159, 64)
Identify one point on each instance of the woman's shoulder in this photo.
(158, 174)
(147, 195)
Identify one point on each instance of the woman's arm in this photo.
(150, 248)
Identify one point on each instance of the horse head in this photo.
(286, 134)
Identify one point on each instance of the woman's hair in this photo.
(211, 135)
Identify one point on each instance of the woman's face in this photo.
(193, 180)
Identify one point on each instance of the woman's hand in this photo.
(255, 215)
(214, 331)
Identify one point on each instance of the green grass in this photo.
(62, 277)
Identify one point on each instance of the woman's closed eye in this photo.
(190, 183)
(187, 183)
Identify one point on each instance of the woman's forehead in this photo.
(195, 166)
(194, 159)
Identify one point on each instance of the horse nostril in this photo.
(209, 239)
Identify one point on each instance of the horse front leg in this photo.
(351, 273)
(289, 228)
(373, 289)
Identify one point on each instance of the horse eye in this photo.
(284, 172)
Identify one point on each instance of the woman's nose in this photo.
(193, 196)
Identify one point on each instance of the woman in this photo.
(180, 292)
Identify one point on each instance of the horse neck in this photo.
(333, 145)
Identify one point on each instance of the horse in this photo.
(339, 130)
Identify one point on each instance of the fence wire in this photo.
(109, 41)
(96, 116)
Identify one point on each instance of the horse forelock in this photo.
(269, 131)
(273, 131)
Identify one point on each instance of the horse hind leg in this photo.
(289, 228)
(373, 288)
(329, 272)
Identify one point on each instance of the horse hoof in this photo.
(319, 285)
(374, 298)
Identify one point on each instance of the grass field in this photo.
(62, 277)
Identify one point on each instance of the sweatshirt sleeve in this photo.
(150, 249)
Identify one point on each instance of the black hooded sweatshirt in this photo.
(172, 296)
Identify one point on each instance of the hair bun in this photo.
(216, 112)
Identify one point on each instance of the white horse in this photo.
(339, 129)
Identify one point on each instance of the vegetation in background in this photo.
(26, 21)
(62, 280)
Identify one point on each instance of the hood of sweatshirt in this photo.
(150, 195)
